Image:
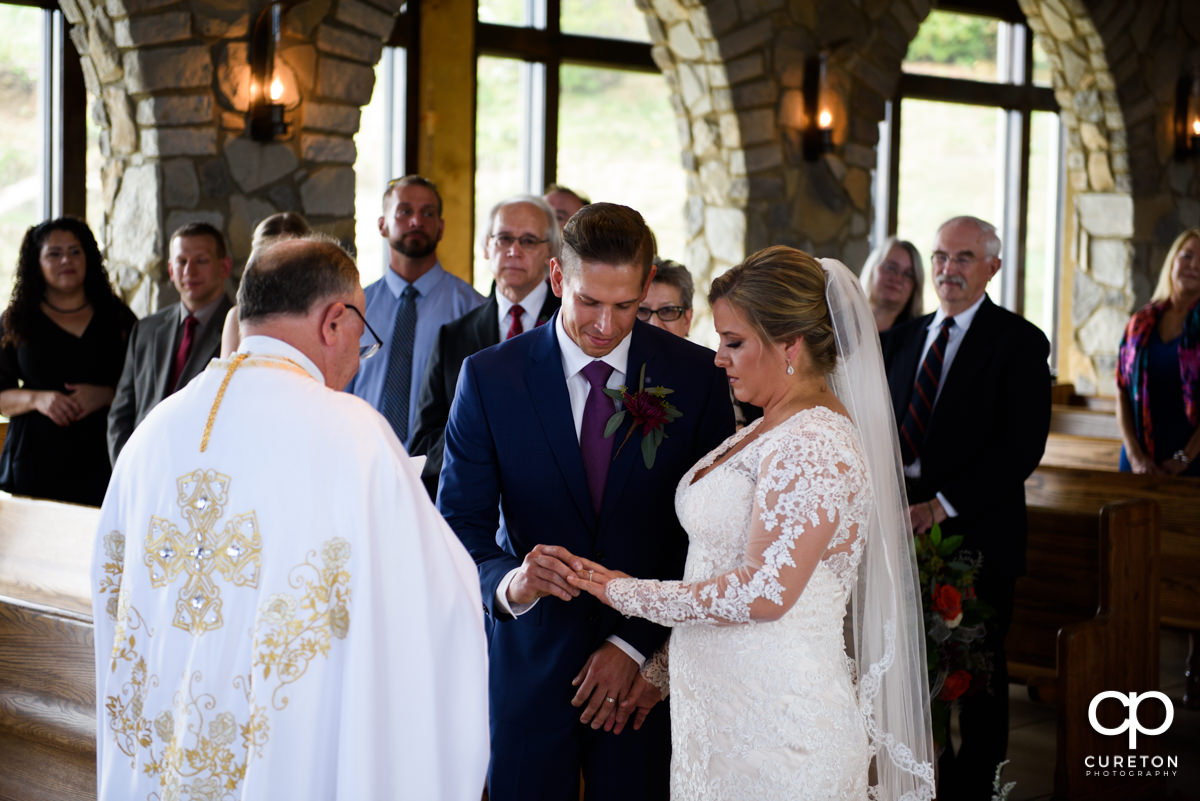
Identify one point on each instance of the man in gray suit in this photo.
(169, 348)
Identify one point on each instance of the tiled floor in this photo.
(1031, 741)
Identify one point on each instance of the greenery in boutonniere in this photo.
(959, 666)
(650, 411)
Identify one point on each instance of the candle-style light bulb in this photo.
(276, 90)
(824, 119)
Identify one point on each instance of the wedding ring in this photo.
(590, 575)
(611, 700)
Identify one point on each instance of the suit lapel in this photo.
(487, 325)
(207, 344)
(972, 355)
(627, 461)
(908, 358)
(549, 306)
(548, 393)
(164, 344)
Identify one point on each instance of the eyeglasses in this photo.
(959, 260)
(890, 267)
(366, 351)
(526, 241)
(668, 314)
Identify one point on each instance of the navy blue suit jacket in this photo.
(988, 428)
(513, 477)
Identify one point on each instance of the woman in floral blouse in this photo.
(1158, 370)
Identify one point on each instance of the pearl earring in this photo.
(791, 370)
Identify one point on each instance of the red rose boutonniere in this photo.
(651, 412)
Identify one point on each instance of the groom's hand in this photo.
(604, 681)
(544, 572)
(642, 698)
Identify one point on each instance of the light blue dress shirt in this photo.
(443, 297)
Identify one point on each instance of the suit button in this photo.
(594, 617)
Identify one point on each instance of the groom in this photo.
(530, 482)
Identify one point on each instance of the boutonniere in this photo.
(651, 412)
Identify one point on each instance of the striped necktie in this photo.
(397, 382)
(920, 408)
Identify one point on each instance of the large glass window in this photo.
(617, 142)
(578, 101)
(974, 130)
(380, 143)
(23, 129)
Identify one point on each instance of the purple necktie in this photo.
(595, 447)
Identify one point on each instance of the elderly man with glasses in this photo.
(521, 237)
(268, 570)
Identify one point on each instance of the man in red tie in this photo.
(520, 239)
(970, 389)
(170, 347)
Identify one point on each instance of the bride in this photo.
(793, 521)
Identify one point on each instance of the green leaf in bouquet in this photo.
(614, 423)
(649, 447)
(935, 535)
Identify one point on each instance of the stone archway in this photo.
(170, 84)
(736, 71)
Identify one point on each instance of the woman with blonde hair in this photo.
(794, 521)
(1158, 370)
(894, 279)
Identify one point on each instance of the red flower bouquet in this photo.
(959, 665)
(650, 411)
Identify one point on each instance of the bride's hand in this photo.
(593, 578)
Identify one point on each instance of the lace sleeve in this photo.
(801, 487)
(655, 670)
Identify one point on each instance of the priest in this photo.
(280, 612)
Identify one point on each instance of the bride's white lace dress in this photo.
(762, 703)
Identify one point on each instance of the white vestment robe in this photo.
(284, 615)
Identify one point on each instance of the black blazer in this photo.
(988, 428)
(152, 346)
(456, 340)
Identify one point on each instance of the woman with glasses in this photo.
(894, 280)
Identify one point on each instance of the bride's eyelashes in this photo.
(734, 345)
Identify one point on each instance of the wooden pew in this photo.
(47, 680)
(1179, 503)
(1085, 620)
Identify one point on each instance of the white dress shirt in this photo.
(530, 305)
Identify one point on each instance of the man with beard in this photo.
(410, 303)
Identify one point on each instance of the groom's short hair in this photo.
(610, 234)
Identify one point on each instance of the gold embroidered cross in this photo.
(234, 552)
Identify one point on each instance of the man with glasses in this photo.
(520, 239)
(250, 592)
(410, 303)
(970, 389)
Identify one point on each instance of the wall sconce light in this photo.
(266, 90)
(1187, 116)
(817, 137)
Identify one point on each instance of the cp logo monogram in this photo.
(1132, 724)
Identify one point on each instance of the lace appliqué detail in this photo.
(767, 709)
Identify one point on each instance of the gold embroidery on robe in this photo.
(199, 756)
(235, 553)
(292, 631)
(114, 564)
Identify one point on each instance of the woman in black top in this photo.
(62, 345)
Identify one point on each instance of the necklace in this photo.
(61, 310)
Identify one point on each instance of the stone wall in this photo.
(170, 83)
(736, 69)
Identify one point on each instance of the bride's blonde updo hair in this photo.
(781, 291)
